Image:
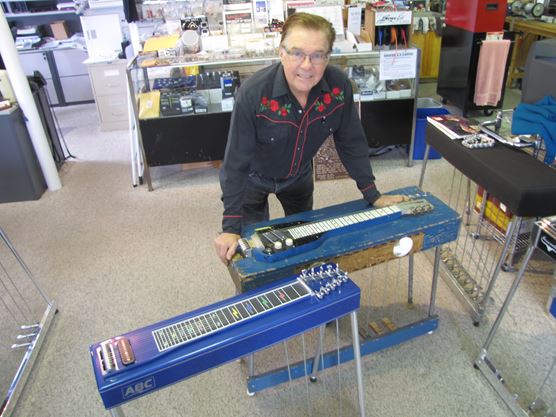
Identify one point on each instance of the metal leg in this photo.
(410, 280)
(436, 269)
(117, 412)
(135, 114)
(468, 203)
(318, 355)
(425, 160)
(477, 233)
(508, 265)
(511, 230)
(509, 297)
(357, 357)
(251, 365)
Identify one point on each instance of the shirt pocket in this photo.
(326, 125)
(272, 134)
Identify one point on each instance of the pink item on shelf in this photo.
(490, 72)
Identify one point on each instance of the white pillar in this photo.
(25, 100)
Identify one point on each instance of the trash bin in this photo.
(426, 106)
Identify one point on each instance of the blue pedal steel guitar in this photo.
(134, 364)
(353, 234)
(277, 242)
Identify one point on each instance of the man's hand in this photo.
(225, 245)
(388, 200)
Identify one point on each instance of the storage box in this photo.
(375, 18)
(426, 106)
(60, 30)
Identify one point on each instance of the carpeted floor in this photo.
(116, 258)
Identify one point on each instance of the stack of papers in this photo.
(455, 127)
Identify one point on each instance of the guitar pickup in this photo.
(126, 352)
(107, 357)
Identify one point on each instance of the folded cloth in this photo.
(545, 107)
(490, 72)
(538, 119)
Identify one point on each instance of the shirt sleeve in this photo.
(353, 148)
(240, 150)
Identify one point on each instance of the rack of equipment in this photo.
(26, 314)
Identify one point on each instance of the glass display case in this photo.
(182, 104)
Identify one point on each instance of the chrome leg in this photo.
(357, 357)
(436, 269)
(117, 412)
(425, 160)
(410, 279)
(511, 230)
(318, 355)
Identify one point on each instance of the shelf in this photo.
(210, 61)
(38, 14)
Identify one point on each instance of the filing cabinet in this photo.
(110, 90)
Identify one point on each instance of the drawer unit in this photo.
(110, 89)
(66, 76)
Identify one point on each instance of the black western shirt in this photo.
(271, 134)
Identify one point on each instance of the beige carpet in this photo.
(116, 258)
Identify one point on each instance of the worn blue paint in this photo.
(439, 226)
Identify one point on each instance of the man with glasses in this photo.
(282, 115)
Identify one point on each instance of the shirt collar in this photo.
(280, 86)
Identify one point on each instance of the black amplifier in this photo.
(544, 232)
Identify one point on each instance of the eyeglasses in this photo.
(297, 56)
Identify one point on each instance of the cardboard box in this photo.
(60, 30)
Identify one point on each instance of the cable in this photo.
(58, 129)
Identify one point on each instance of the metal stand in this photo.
(471, 264)
(487, 367)
(366, 346)
(33, 333)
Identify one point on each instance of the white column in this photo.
(25, 100)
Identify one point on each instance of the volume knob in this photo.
(277, 245)
(289, 242)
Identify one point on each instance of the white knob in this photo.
(289, 242)
(277, 245)
(403, 247)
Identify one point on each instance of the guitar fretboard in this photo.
(310, 229)
(213, 321)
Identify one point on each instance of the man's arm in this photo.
(353, 149)
(233, 174)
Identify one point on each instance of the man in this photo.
(282, 115)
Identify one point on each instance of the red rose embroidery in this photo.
(264, 101)
(320, 108)
(327, 99)
(274, 106)
(283, 111)
(335, 91)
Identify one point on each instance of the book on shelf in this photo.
(455, 127)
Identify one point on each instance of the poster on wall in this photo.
(260, 13)
(276, 10)
(244, 3)
(331, 13)
(398, 64)
(238, 21)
